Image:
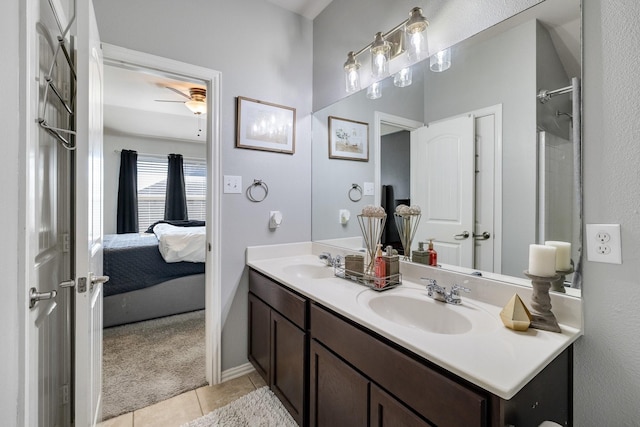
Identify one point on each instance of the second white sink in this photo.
(412, 308)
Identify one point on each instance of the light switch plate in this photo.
(232, 184)
(604, 243)
(368, 189)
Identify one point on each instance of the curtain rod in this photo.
(200, 159)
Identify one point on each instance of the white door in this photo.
(442, 184)
(47, 221)
(88, 219)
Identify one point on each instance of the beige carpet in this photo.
(260, 408)
(147, 362)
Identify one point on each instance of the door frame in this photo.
(213, 289)
(380, 118)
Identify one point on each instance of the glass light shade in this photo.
(418, 48)
(196, 107)
(403, 77)
(440, 61)
(373, 91)
(351, 73)
(379, 57)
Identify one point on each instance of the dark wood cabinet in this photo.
(331, 371)
(339, 394)
(278, 341)
(259, 338)
(385, 411)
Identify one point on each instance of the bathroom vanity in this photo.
(326, 350)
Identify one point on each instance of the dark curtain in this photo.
(127, 221)
(175, 205)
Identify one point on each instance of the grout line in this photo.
(199, 402)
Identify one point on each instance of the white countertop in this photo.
(497, 359)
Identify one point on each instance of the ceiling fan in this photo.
(196, 100)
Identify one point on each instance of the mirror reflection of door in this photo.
(453, 181)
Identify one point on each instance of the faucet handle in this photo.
(337, 261)
(456, 288)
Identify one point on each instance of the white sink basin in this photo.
(308, 271)
(412, 308)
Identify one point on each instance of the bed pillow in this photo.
(177, 222)
(178, 244)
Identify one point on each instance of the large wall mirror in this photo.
(516, 87)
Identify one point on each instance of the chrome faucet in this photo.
(330, 261)
(439, 293)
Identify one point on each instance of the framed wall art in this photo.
(265, 126)
(348, 139)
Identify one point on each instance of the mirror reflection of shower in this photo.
(558, 125)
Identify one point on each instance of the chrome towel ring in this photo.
(355, 193)
(257, 183)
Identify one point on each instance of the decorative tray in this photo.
(376, 283)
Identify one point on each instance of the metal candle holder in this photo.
(372, 227)
(558, 285)
(542, 317)
(407, 225)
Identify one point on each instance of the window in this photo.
(152, 185)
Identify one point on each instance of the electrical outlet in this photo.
(603, 243)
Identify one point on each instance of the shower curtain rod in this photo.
(545, 95)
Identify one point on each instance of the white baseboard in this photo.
(236, 372)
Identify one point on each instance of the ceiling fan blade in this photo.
(178, 92)
(166, 100)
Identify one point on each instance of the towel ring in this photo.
(257, 183)
(355, 193)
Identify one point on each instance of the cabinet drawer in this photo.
(439, 399)
(290, 305)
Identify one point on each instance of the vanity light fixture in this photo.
(440, 61)
(379, 57)
(415, 28)
(373, 91)
(352, 75)
(387, 46)
(403, 77)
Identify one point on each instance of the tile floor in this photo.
(188, 406)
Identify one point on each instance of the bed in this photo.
(143, 284)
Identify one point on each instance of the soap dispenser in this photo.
(433, 255)
(379, 268)
(420, 255)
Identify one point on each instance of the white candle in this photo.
(563, 254)
(542, 260)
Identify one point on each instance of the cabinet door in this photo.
(259, 336)
(388, 412)
(287, 365)
(339, 394)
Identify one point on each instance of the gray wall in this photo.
(607, 361)
(113, 143)
(265, 54)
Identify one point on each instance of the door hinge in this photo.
(65, 394)
(66, 247)
(82, 285)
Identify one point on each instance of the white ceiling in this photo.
(307, 8)
(131, 105)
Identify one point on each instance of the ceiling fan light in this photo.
(197, 106)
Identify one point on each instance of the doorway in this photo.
(202, 135)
